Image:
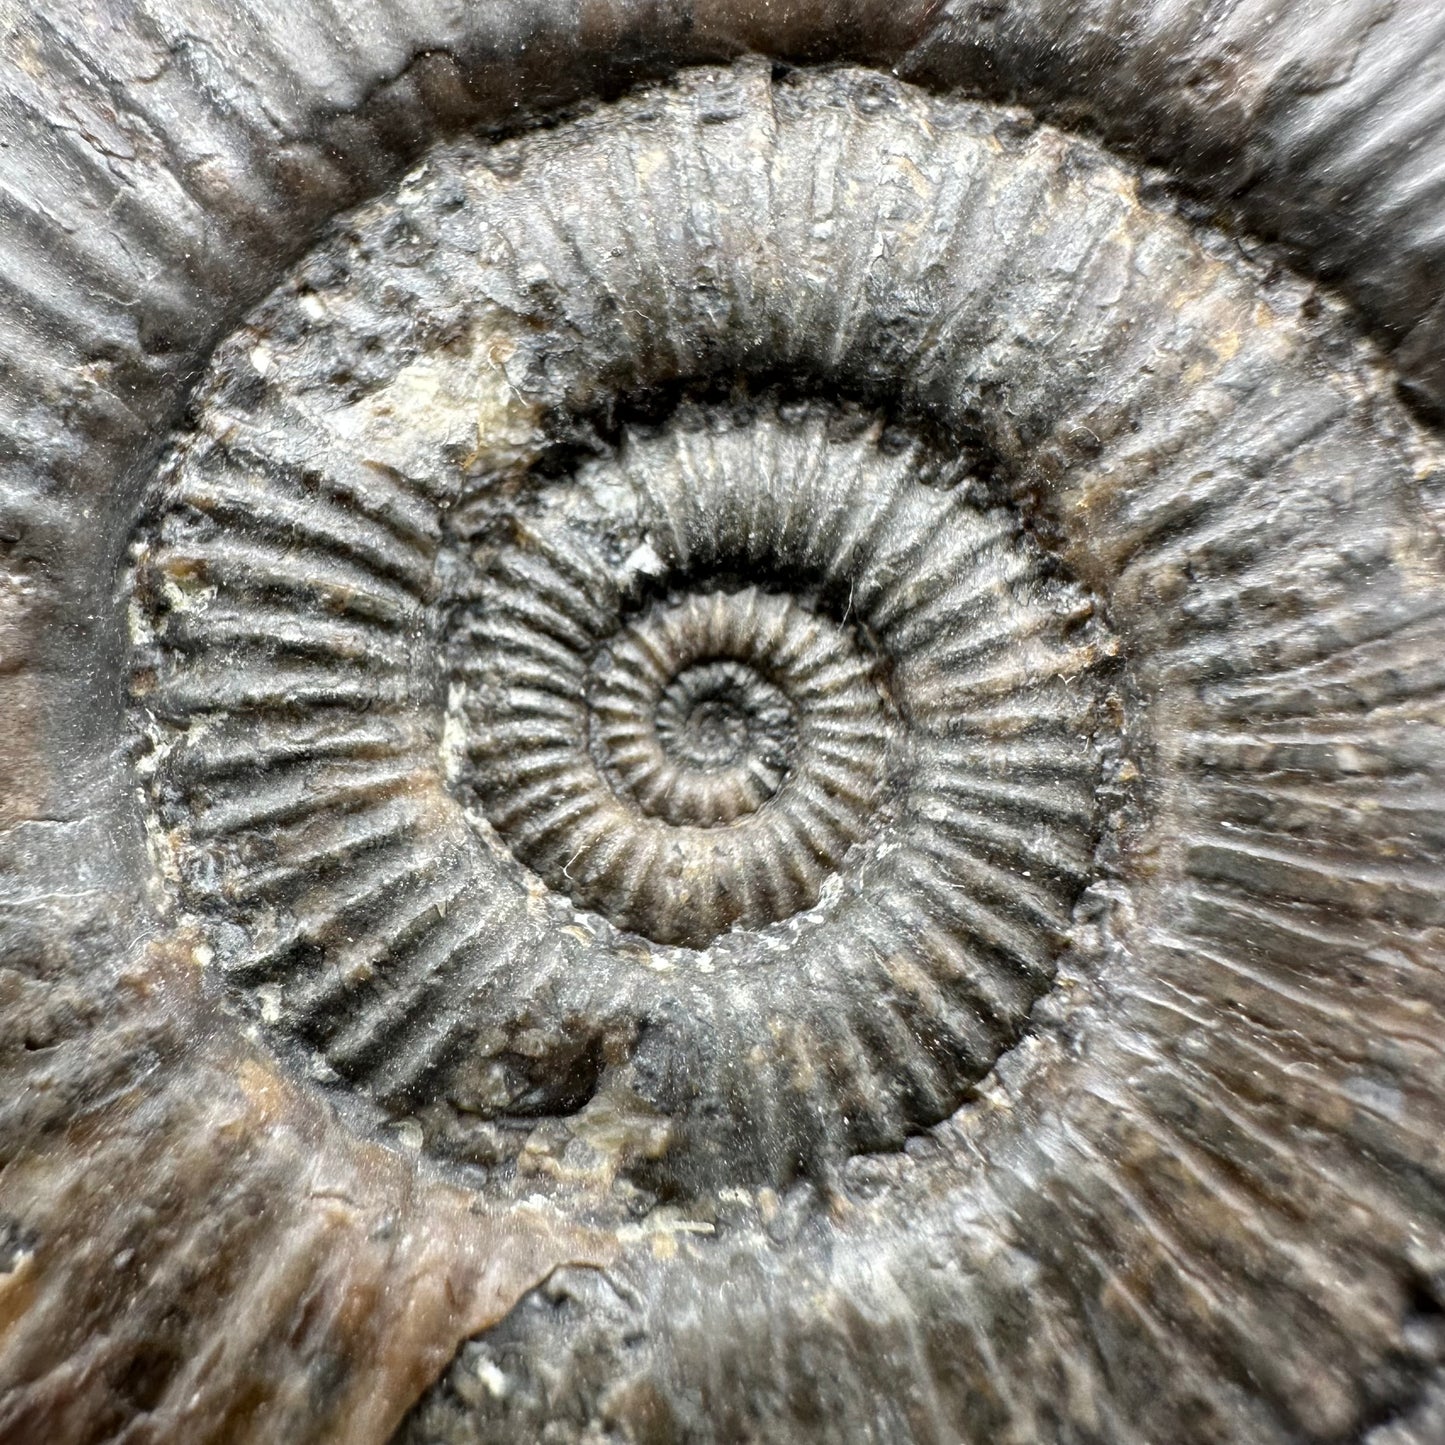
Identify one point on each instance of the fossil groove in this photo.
(725, 726)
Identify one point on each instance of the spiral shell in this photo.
(817, 675)
(913, 696)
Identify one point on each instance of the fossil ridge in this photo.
(1139, 1144)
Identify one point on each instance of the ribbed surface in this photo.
(566, 709)
(919, 690)
(1322, 126)
(694, 718)
(868, 722)
(1243, 1222)
(1228, 492)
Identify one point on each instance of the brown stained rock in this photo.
(205, 1254)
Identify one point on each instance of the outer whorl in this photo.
(817, 675)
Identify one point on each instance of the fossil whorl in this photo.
(805, 671)
(924, 684)
(473, 494)
(852, 816)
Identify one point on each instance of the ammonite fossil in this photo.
(723, 726)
